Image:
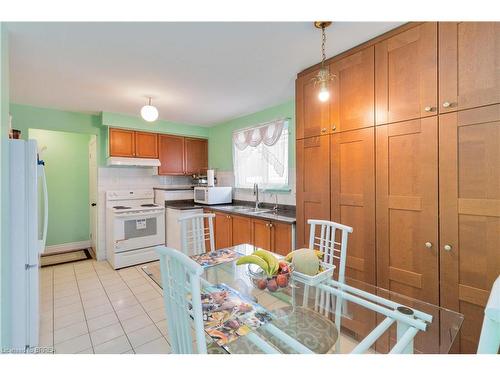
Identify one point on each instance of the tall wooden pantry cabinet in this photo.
(407, 152)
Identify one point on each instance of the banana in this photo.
(289, 256)
(254, 259)
(269, 258)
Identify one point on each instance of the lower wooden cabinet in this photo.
(242, 230)
(261, 234)
(313, 184)
(232, 230)
(281, 238)
(407, 208)
(223, 231)
(469, 186)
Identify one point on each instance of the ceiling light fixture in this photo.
(323, 76)
(149, 112)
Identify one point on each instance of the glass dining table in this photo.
(331, 317)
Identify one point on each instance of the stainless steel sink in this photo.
(246, 209)
(255, 210)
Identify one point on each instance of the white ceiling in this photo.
(197, 73)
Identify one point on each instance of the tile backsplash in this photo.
(226, 178)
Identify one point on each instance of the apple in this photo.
(282, 280)
(272, 285)
(261, 284)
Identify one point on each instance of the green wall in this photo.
(25, 117)
(67, 171)
(160, 126)
(220, 136)
(4, 190)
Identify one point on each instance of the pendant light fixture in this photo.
(324, 76)
(149, 112)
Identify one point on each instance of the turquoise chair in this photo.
(489, 341)
(180, 277)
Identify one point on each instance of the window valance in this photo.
(267, 134)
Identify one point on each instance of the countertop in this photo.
(174, 187)
(285, 214)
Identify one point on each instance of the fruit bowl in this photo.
(262, 281)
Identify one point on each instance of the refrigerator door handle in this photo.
(45, 208)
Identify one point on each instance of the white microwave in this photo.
(213, 194)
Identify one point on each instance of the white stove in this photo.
(135, 225)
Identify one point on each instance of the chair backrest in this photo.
(180, 278)
(194, 235)
(332, 242)
(328, 243)
(489, 341)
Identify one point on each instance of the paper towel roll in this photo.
(210, 177)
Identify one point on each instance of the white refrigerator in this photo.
(28, 220)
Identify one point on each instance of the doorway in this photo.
(93, 194)
(69, 158)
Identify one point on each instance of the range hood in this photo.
(134, 162)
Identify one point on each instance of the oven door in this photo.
(133, 230)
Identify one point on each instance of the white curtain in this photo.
(260, 155)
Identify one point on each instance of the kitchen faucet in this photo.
(256, 193)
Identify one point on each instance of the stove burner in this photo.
(121, 207)
(148, 205)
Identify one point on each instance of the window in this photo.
(260, 155)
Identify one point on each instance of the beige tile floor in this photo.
(87, 307)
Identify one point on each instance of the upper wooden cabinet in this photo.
(146, 145)
(121, 142)
(469, 184)
(181, 155)
(313, 183)
(196, 155)
(406, 75)
(352, 103)
(313, 116)
(129, 143)
(171, 155)
(469, 65)
(178, 155)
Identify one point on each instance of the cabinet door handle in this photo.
(334, 127)
(428, 245)
(446, 104)
(447, 247)
(429, 109)
(323, 130)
